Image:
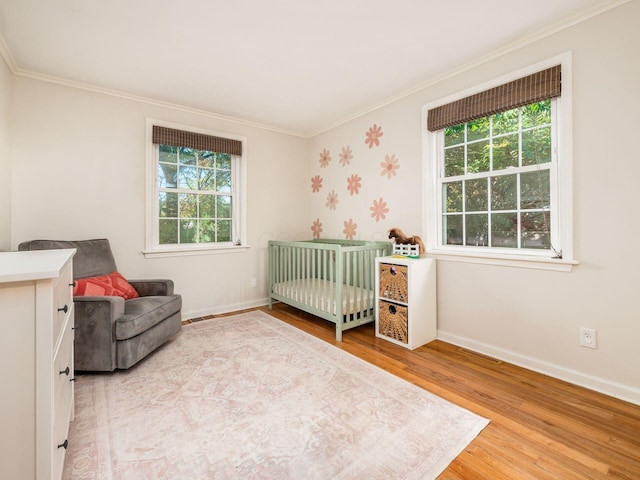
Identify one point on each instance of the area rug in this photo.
(250, 397)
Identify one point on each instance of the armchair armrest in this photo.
(158, 286)
(95, 332)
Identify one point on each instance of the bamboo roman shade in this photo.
(198, 141)
(523, 91)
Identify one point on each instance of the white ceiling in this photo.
(295, 65)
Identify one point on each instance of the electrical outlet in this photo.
(588, 337)
(254, 283)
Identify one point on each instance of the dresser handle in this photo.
(64, 445)
(72, 379)
(393, 270)
(64, 309)
(72, 284)
(65, 371)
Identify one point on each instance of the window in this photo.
(499, 190)
(195, 200)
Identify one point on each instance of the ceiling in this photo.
(294, 65)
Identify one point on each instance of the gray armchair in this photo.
(111, 332)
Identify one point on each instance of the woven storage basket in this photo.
(393, 321)
(393, 282)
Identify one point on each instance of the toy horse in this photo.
(399, 237)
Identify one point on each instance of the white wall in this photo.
(529, 317)
(5, 156)
(79, 172)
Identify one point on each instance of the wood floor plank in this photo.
(541, 427)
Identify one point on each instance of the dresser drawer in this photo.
(62, 373)
(62, 300)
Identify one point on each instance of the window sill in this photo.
(517, 261)
(183, 252)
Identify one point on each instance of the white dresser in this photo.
(36, 353)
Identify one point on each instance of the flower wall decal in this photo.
(316, 183)
(350, 228)
(389, 166)
(373, 136)
(345, 156)
(325, 158)
(353, 184)
(332, 200)
(316, 228)
(379, 209)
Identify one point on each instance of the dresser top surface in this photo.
(33, 265)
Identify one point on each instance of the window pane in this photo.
(536, 230)
(168, 231)
(536, 146)
(188, 205)
(188, 178)
(207, 231)
(188, 231)
(505, 122)
(223, 181)
(187, 156)
(505, 152)
(224, 206)
(206, 159)
(454, 135)
(207, 179)
(477, 230)
(478, 129)
(504, 230)
(478, 157)
(452, 197)
(476, 192)
(168, 204)
(504, 192)
(207, 206)
(452, 226)
(167, 175)
(534, 190)
(168, 154)
(223, 160)
(454, 161)
(536, 114)
(224, 231)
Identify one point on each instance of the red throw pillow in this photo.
(113, 284)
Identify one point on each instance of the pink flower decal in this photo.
(379, 209)
(316, 183)
(345, 156)
(373, 136)
(316, 228)
(353, 184)
(325, 158)
(349, 229)
(389, 166)
(332, 200)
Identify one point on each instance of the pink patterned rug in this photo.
(248, 396)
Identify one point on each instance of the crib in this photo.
(333, 279)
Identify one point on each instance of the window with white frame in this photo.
(497, 187)
(195, 196)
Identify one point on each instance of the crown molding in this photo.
(541, 34)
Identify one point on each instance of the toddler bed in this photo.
(333, 279)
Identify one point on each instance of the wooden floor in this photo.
(540, 428)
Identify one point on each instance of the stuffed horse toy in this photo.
(399, 237)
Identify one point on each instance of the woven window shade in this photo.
(523, 91)
(197, 141)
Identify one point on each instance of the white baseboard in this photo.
(186, 315)
(601, 385)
